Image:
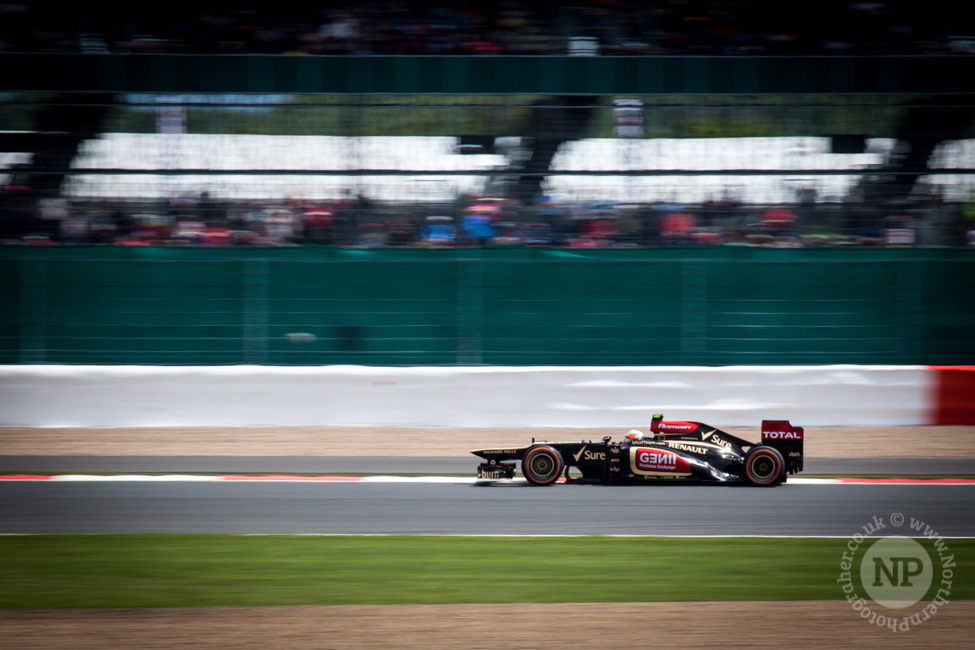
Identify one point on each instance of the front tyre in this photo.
(764, 466)
(542, 465)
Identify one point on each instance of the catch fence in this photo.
(494, 306)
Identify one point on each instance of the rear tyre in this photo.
(542, 465)
(764, 466)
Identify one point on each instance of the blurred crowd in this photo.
(355, 221)
(378, 27)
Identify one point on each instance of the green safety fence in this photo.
(558, 75)
(496, 305)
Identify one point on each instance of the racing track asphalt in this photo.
(458, 466)
(468, 509)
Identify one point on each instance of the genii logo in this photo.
(659, 460)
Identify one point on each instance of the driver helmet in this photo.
(634, 435)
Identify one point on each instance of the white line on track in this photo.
(509, 535)
(457, 480)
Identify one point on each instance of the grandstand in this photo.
(112, 107)
(434, 169)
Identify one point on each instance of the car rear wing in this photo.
(787, 439)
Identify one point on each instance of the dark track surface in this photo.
(466, 509)
(460, 466)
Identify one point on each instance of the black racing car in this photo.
(676, 451)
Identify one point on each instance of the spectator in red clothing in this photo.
(676, 228)
(781, 222)
(317, 222)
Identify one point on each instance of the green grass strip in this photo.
(99, 571)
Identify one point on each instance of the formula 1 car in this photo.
(677, 451)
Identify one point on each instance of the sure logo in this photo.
(585, 454)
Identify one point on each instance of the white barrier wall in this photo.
(75, 396)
